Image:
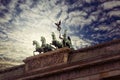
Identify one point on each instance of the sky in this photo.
(88, 22)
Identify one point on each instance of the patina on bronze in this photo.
(44, 47)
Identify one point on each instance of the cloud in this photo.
(110, 4)
(26, 20)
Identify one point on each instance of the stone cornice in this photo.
(71, 66)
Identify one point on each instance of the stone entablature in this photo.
(100, 50)
(11, 73)
(47, 59)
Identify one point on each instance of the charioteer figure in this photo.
(58, 25)
(66, 41)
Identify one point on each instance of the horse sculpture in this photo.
(38, 47)
(46, 47)
(56, 43)
(66, 40)
(43, 48)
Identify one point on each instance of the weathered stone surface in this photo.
(10, 73)
(47, 59)
(96, 51)
(100, 62)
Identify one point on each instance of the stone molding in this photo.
(99, 65)
(47, 59)
(92, 63)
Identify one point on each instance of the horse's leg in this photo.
(34, 53)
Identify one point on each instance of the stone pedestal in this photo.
(47, 59)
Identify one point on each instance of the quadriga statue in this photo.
(44, 47)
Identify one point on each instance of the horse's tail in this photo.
(69, 39)
(70, 42)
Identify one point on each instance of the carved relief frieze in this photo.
(49, 59)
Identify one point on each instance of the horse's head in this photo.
(65, 33)
(34, 42)
(43, 40)
(53, 35)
